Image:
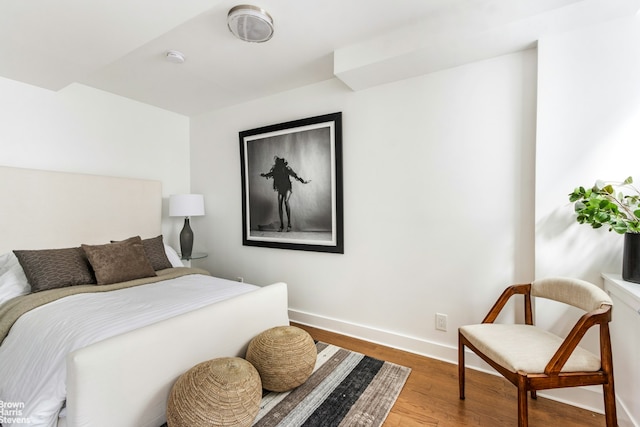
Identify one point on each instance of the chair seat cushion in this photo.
(525, 348)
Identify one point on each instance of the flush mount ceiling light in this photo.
(250, 23)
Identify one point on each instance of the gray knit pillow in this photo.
(55, 268)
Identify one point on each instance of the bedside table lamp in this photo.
(186, 205)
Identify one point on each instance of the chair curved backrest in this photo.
(575, 292)
(534, 359)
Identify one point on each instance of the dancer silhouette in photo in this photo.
(280, 172)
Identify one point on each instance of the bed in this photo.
(121, 372)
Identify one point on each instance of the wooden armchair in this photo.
(534, 359)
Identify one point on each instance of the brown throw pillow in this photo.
(154, 249)
(55, 268)
(119, 261)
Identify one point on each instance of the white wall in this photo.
(438, 186)
(80, 129)
(588, 129)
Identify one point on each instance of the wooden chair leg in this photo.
(610, 404)
(534, 394)
(608, 388)
(523, 408)
(461, 367)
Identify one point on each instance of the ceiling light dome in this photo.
(250, 23)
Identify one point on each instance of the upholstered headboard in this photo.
(43, 209)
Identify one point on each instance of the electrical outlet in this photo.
(441, 322)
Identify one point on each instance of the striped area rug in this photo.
(345, 389)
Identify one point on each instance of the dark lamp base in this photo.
(186, 240)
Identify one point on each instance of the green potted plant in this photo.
(613, 204)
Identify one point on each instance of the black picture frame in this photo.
(292, 185)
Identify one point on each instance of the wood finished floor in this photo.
(430, 396)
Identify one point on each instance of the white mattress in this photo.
(33, 368)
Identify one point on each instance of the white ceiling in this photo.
(119, 45)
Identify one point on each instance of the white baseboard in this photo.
(378, 336)
(589, 398)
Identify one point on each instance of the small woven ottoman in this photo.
(220, 392)
(284, 356)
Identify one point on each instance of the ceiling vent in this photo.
(250, 23)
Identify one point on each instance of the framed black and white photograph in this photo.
(292, 185)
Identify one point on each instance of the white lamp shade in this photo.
(186, 205)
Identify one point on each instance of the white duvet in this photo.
(32, 356)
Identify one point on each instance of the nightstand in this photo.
(194, 255)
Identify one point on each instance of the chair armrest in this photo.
(512, 290)
(592, 318)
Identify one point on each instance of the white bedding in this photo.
(32, 356)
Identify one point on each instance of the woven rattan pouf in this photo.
(220, 392)
(284, 356)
